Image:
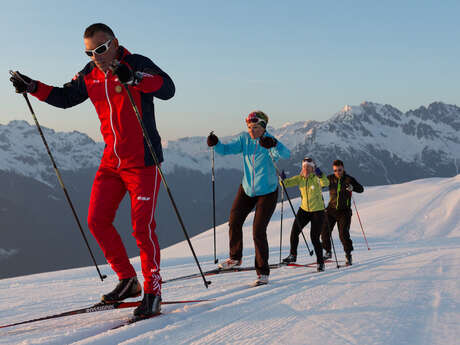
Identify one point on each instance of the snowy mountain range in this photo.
(378, 143)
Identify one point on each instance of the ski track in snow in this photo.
(405, 290)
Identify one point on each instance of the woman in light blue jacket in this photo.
(259, 189)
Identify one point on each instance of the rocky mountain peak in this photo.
(355, 131)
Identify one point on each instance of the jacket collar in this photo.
(122, 53)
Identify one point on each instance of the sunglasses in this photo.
(253, 118)
(338, 170)
(307, 159)
(99, 50)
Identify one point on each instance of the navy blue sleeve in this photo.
(71, 94)
(143, 64)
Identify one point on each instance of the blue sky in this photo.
(295, 60)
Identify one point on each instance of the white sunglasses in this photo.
(99, 50)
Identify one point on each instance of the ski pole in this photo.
(290, 203)
(362, 229)
(213, 202)
(61, 182)
(281, 223)
(157, 163)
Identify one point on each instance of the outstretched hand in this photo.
(22, 83)
(318, 172)
(212, 139)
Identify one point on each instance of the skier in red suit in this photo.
(126, 165)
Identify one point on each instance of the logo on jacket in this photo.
(118, 89)
(143, 198)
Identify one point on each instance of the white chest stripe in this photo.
(111, 123)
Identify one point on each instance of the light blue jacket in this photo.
(260, 175)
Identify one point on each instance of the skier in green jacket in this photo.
(310, 181)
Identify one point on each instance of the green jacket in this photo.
(310, 189)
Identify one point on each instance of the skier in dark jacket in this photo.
(341, 186)
(126, 164)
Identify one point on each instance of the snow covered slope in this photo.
(405, 290)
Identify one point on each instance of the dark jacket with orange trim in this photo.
(339, 196)
(125, 146)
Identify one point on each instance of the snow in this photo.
(405, 290)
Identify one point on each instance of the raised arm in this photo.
(280, 151)
(233, 147)
(152, 79)
(324, 181)
(357, 187)
(276, 148)
(292, 181)
(71, 94)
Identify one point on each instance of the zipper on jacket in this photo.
(308, 201)
(339, 187)
(111, 121)
(254, 170)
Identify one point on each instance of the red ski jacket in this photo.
(125, 146)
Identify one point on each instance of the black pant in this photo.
(343, 220)
(303, 218)
(242, 206)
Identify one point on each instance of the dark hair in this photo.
(98, 27)
(337, 163)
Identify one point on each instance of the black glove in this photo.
(23, 83)
(318, 172)
(126, 75)
(212, 140)
(268, 142)
(282, 175)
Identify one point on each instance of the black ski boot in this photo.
(125, 288)
(327, 255)
(320, 267)
(289, 259)
(150, 306)
(349, 261)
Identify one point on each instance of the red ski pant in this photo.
(109, 187)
